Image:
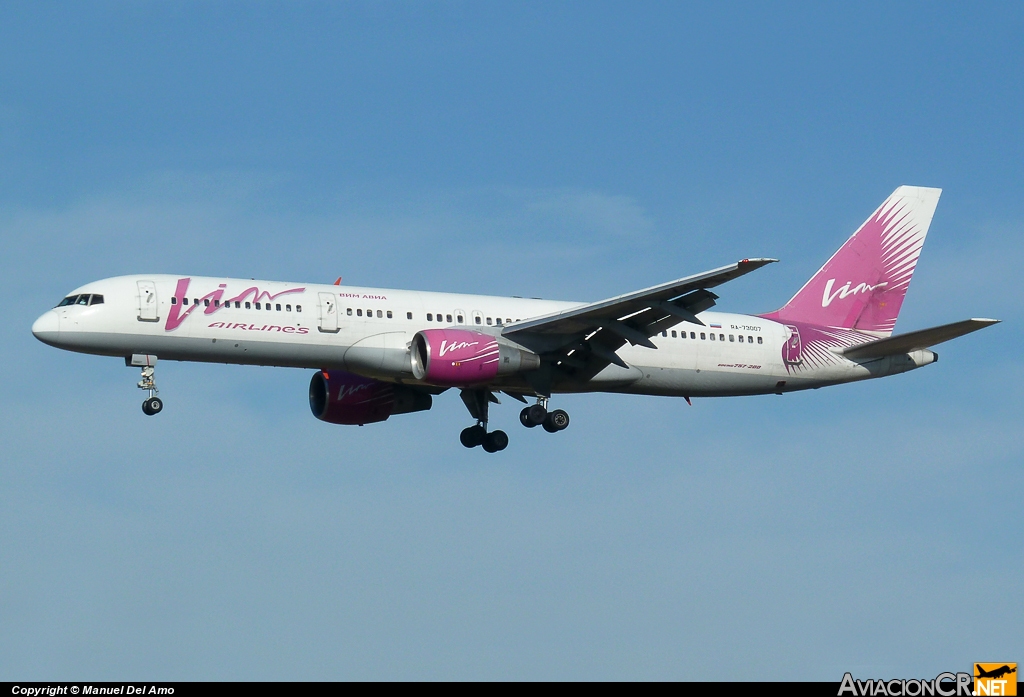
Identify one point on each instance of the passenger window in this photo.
(206, 302)
(460, 318)
(508, 321)
(693, 335)
(665, 334)
(702, 336)
(497, 320)
(389, 314)
(440, 317)
(348, 312)
(721, 337)
(288, 308)
(216, 303)
(369, 313)
(195, 301)
(759, 340)
(430, 316)
(741, 338)
(712, 337)
(298, 308)
(448, 318)
(258, 306)
(174, 300)
(238, 304)
(408, 315)
(380, 314)
(247, 305)
(269, 308)
(359, 312)
(732, 338)
(750, 339)
(477, 319)
(673, 333)
(277, 307)
(488, 321)
(184, 301)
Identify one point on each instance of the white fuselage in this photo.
(368, 331)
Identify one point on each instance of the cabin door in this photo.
(147, 302)
(328, 313)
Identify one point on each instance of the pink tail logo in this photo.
(879, 260)
(846, 290)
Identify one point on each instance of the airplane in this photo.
(382, 352)
(995, 673)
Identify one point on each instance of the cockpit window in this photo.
(83, 300)
(70, 300)
(96, 300)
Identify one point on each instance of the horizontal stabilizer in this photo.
(911, 341)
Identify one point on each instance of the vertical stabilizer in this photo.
(863, 285)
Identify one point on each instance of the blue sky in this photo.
(571, 150)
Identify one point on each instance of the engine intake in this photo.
(339, 397)
(454, 357)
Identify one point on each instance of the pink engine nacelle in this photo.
(457, 357)
(338, 397)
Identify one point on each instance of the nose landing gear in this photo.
(538, 415)
(152, 405)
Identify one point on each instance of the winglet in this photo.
(338, 282)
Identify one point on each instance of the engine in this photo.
(456, 357)
(339, 397)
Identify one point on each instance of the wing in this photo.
(582, 341)
(911, 341)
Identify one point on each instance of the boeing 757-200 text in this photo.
(380, 352)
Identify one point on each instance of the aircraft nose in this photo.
(47, 327)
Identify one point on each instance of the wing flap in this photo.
(911, 341)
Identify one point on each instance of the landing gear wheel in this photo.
(473, 436)
(555, 421)
(524, 418)
(533, 416)
(152, 406)
(495, 441)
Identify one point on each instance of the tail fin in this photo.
(863, 285)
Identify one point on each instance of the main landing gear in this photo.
(477, 401)
(538, 415)
(492, 441)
